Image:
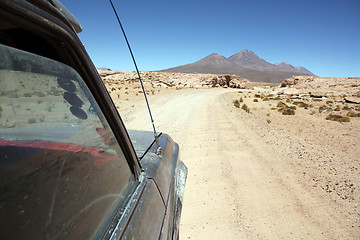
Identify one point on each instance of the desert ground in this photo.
(253, 172)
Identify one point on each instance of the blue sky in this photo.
(321, 35)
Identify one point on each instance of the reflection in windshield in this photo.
(32, 100)
(62, 172)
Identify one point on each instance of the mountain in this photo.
(214, 63)
(245, 64)
(104, 69)
(286, 66)
(215, 58)
(247, 58)
(289, 67)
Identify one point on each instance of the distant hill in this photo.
(104, 69)
(245, 64)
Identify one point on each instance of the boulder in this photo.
(295, 80)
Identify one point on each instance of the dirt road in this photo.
(243, 181)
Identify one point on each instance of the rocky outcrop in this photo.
(343, 88)
(231, 81)
(295, 80)
(179, 80)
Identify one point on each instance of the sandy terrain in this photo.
(260, 175)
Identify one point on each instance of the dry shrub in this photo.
(266, 97)
(288, 111)
(346, 108)
(245, 108)
(281, 105)
(301, 104)
(337, 108)
(241, 99)
(285, 109)
(255, 100)
(236, 103)
(322, 108)
(337, 118)
(353, 114)
(257, 96)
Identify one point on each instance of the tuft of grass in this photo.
(245, 108)
(322, 108)
(337, 108)
(346, 107)
(353, 114)
(255, 100)
(288, 100)
(257, 96)
(281, 105)
(288, 111)
(267, 97)
(268, 121)
(236, 103)
(301, 104)
(337, 118)
(241, 99)
(285, 109)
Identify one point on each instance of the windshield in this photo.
(47, 104)
(62, 172)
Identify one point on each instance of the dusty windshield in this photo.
(62, 172)
(48, 105)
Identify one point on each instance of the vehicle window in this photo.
(62, 172)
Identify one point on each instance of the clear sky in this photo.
(320, 35)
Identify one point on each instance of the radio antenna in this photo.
(158, 150)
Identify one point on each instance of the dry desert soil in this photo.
(258, 174)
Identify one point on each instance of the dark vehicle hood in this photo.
(142, 141)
